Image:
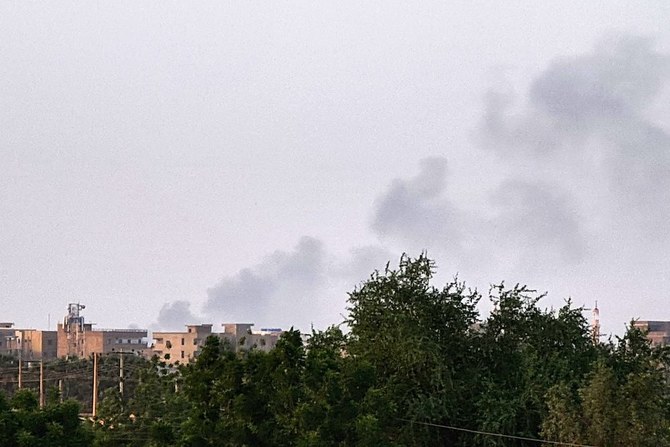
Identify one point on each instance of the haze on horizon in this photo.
(175, 163)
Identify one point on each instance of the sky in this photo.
(167, 163)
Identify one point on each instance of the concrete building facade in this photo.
(658, 332)
(7, 334)
(37, 344)
(241, 337)
(29, 344)
(76, 338)
(184, 347)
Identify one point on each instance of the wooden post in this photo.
(42, 383)
(95, 383)
(20, 371)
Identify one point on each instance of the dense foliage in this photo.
(24, 424)
(416, 366)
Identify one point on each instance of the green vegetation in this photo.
(416, 364)
(24, 424)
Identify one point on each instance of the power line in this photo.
(500, 435)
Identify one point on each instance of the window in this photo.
(182, 354)
(182, 342)
(168, 344)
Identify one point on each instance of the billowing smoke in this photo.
(588, 128)
(588, 133)
(585, 188)
(524, 219)
(535, 220)
(304, 286)
(282, 285)
(581, 205)
(173, 316)
(417, 210)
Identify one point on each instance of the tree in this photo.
(417, 340)
(152, 416)
(622, 401)
(23, 423)
(525, 351)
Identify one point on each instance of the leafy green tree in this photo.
(525, 351)
(332, 391)
(8, 423)
(152, 416)
(417, 340)
(623, 400)
(212, 379)
(23, 423)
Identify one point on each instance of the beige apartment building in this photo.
(242, 337)
(37, 344)
(184, 347)
(181, 347)
(29, 344)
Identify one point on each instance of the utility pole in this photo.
(60, 389)
(20, 370)
(95, 383)
(41, 383)
(121, 373)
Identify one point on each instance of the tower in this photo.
(595, 324)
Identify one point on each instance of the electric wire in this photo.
(500, 435)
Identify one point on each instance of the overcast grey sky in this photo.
(168, 162)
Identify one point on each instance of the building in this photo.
(242, 337)
(29, 344)
(181, 346)
(658, 332)
(7, 334)
(184, 347)
(37, 344)
(78, 339)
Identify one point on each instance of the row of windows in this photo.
(49, 342)
(121, 341)
(168, 343)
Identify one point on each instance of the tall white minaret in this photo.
(595, 324)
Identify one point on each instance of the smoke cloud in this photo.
(174, 316)
(587, 127)
(417, 210)
(585, 184)
(276, 289)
